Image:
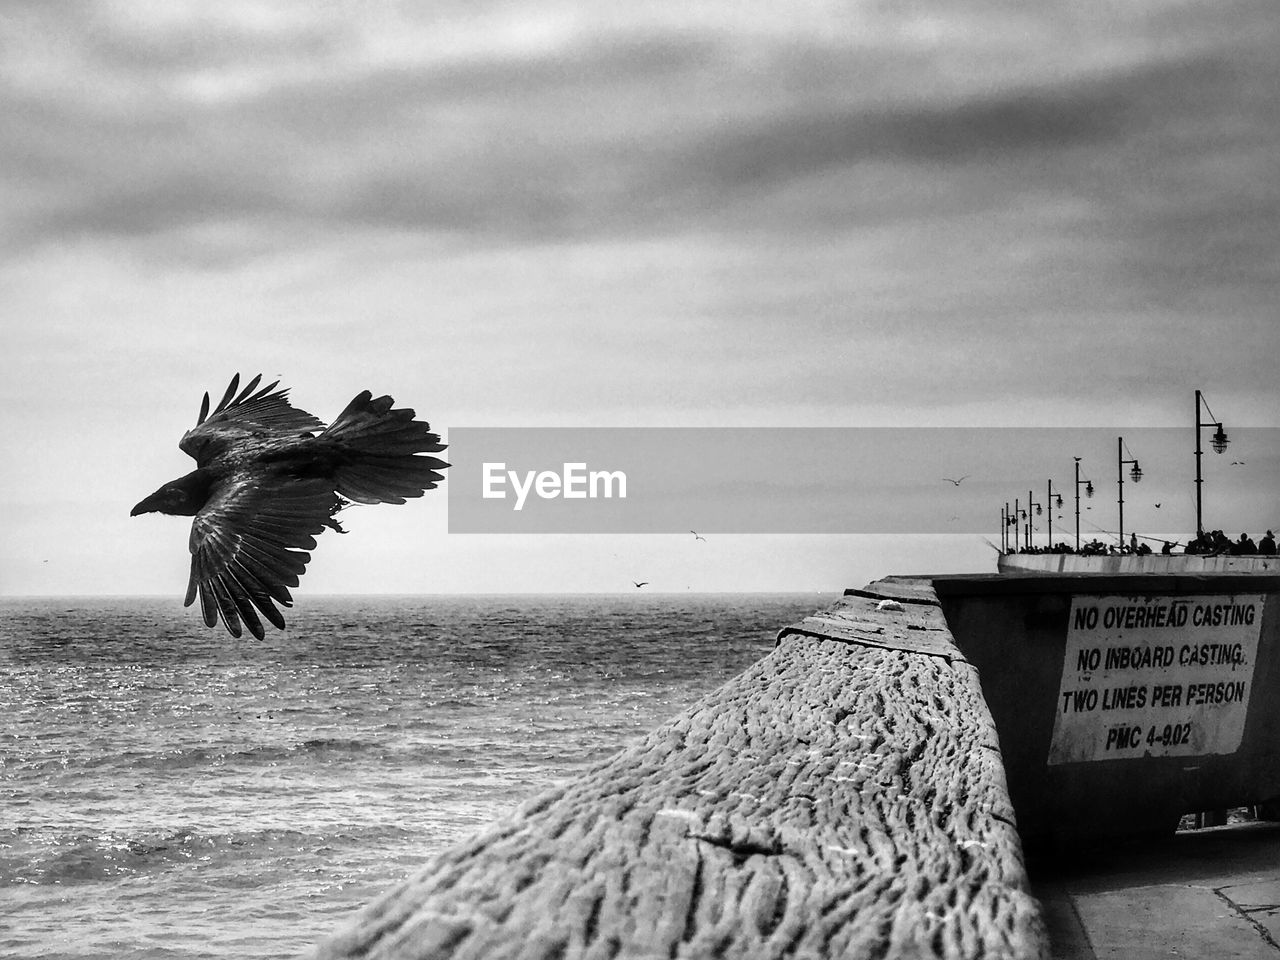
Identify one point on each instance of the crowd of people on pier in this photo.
(1091, 548)
(1209, 543)
(1217, 543)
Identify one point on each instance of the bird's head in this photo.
(179, 498)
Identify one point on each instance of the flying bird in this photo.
(270, 477)
(698, 536)
(1157, 506)
(958, 482)
(640, 583)
(1237, 463)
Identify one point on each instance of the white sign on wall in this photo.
(1155, 676)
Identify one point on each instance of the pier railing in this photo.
(843, 797)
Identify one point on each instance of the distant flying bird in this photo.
(269, 477)
(698, 536)
(1237, 463)
(960, 481)
(1157, 506)
(640, 583)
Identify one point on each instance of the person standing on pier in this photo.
(1244, 547)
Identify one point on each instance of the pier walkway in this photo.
(1211, 893)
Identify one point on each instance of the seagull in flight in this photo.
(1237, 463)
(957, 482)
(698, 536)
(270, 477)
(640, 583)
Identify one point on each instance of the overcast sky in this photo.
(606, 214)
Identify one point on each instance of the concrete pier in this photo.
(853, 793)
(844, 797)
(1076, 563)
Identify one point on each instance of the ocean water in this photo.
(167, 791)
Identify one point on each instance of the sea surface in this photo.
(167, 791)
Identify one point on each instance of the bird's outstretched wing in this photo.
(267, 411)
(248, 546)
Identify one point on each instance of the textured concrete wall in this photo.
(835, 800)
(1015, 629)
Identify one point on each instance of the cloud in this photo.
(190, 120)
(787, 182)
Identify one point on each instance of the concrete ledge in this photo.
(1131, 563)
(834, 800)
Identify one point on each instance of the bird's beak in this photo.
(144, 506)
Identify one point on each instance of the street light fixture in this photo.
(1055, 503)
(1218, 443)
(1010, 519)
(1135, 473)
(1088, 492)
(1039, 512)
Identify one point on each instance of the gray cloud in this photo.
(473, 147)
(1139, 184)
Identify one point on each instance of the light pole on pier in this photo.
(1053, 504)
(1039, 511)
(1135, 473)
(1219, 444)
(1088, 492)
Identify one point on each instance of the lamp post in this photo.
(1053, 504)
(1219, 444)
(1004, 529)
(1135, 473)
(1088, 492)
(1039, 512)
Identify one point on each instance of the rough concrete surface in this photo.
(834, 800)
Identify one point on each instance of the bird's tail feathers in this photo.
(381, 449)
